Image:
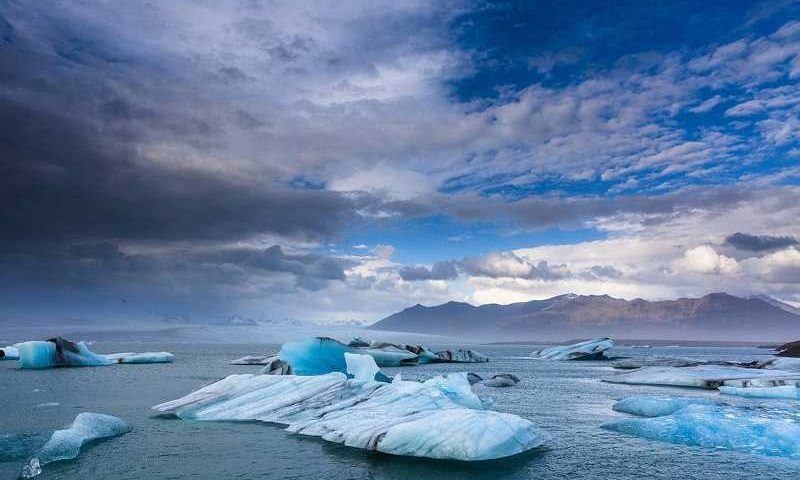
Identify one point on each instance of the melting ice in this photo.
(441, 418)
(757, 430)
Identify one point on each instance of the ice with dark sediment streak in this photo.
(254, 359)
(651, 406)
(60, 352)
(440, 418)
(593, 349)
(66, 444)
(460, 355)
(704, 376)
(389, 355)
(756, 430)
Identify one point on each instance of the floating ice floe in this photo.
(440, 418)
(639, 362)
(593, 349)
(66, 444)
(704, 376)
(756, 430)
(144, 357)
(254, 359)
(461, 356)
(10, 352)
(60, 352)
(781, 391)
(648, 406)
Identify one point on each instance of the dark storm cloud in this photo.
(439, 271)
(759, 243)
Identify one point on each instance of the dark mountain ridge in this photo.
(716, 316)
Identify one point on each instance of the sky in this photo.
(339, 161)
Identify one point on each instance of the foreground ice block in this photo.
(593, 349)
(704, 376)
(773, 432)
(66, 444)
(362, 367)
(649, 406)
(440, 418)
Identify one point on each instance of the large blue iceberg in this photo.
(763, 431)
(593, 349)
(66, 444)
(60, 352)
(441, 418)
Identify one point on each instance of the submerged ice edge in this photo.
(441, 418)
(66, 444)
(701, 422)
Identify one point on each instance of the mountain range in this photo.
(716, 316)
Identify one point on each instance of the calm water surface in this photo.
(565, 398)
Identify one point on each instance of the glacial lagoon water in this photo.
(565, 398)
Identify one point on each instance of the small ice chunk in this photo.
(502, 380)
(772, 432)
(9, 353)
(143, 357)
(783, 391)
(593, 349)
(362, 367)
(66, 444)
(649, 406)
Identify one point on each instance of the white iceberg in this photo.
(704, 376)
(362, 367)
(783, 391)
(10, 352)
(593, 349)
(773, 432)
(649, 406)
(787, 364)
(440, 418)
(143, 357)
(66, 444)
